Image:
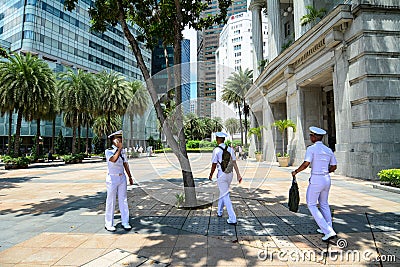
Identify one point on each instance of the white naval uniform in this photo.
(320, 157)
(116, 183)
(224, 181)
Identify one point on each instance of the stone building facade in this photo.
(341, 74)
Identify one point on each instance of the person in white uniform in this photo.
(117, 161)
(322, 162)
(224, 180)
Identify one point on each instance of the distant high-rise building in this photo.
(235, 52)
(160, 73)
(208, 44)
(185, 60)
(64, 40)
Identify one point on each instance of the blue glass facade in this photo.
(185, 59)
(63, 39)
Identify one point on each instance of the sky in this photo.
(192, 36)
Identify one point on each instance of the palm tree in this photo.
(217, 125)
(31, 84)
(282, 125)
(78, 94)
(3, 52)
(87, 119)
(312, 16)
(51, 115)
(139, 102)
(232, 125)
(257, 131)
(103, 125)
(6, 106)
(115, 94)
(194, 127)
(234, 93)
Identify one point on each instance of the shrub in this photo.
(14, 163)
(392, 176)
(74, 158)
(193, 144)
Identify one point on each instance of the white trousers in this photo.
(224, 181)
(318, 192)
(116, 185)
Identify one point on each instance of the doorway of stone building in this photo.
(329, 119)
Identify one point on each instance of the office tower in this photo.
(160, 73)
(64, 40)
(208, 44)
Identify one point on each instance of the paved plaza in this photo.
(52, 214)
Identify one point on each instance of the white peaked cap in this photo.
(316, 130)
(221, 134)
(116, 133)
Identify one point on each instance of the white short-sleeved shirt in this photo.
(321, 157)
(217, 156)
(117, 167)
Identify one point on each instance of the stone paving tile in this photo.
(194, 256)
(150, 205)
(99, 241)
(49, 256)
(226, 256)
(80, 256)
(16, 254)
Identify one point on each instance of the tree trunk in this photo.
(283, 143)
(246, 113)
(79, 138)
(190, 194)
(87, 138)
(53, 136)
(9, 132)
(188, 181)
(240, 123)
(17, 135)
(37, 138)
(131, 126)
(73, 134)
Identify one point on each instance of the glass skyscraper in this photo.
(63, 39)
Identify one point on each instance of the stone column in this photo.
(257, 33)
(274, 29)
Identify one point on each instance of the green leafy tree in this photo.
(77, 93)
(232, 125)
(31, 84)
(282, 126)
(257, 131)
(234, 92)
(165, 21)
(312, 16)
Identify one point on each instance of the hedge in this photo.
(188, 150)
(390, 176)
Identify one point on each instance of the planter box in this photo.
(259, 157)
(283, 161)
(14, 166)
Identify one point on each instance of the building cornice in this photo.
(324, 35)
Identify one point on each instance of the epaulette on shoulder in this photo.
(110, 148)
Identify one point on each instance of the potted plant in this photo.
(312, 16)
(257, 131)
(282, 125)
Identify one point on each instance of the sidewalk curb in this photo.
(386, 188)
